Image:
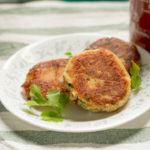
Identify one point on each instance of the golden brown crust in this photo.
(46, 75)
(98, 77)
(124, 50)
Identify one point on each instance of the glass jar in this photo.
(140, 23)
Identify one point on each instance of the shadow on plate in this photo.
(75, 113)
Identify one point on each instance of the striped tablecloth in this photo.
(23, 24)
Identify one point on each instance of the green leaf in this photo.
(49, 115)
(133, 82)
(138, 84)
(81, 103)
(63, 100)
(68, 54)
(31, 103)
(36, 95)
(138, 81)
(34, 103)
(29, 111)
(54, 99)
(135, 77)
(135, 69)
(57, 99)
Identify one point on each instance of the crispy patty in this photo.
(46, 75)
(97, 81)
(124, 50)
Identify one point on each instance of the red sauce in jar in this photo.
(140, 23)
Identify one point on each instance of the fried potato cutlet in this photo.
(46, 75)
(124, 50)
(97, 81)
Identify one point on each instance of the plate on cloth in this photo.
(76, 119)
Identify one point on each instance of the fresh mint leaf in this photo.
(49, 115)
(57, 99)
(36, 95)
(68, 54)
(32, 103)
(135, 77)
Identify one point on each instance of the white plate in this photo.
(75, 118)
